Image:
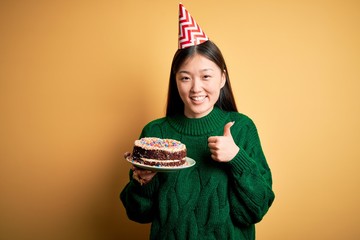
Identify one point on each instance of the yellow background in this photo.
(79, 79)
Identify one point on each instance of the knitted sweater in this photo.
(211, 200)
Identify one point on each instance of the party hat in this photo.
(190, 33)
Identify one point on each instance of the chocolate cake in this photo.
(159, 152)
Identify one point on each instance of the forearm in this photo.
(251, 192)
(138, 200)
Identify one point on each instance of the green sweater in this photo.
(211, 200)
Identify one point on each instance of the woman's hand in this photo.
(141, 175)
(223, 148)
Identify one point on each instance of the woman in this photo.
(230, 187)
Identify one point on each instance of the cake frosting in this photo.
(159, 152)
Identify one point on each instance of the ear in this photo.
(223, 79)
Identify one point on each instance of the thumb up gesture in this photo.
(223, 148)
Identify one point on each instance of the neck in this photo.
(199, 126)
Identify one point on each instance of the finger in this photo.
(212, 139)
(127, 154)
(147, 177)
(214, 157)
(213, 146)
(227, 127)
(136, 176)
(143, 172)
(213, 153)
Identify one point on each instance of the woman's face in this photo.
(199, 81)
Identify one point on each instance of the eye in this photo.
(206, 77)
(184, 78)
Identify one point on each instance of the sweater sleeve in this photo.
(139, 200)
(250, 192)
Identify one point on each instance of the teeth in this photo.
(198, 98)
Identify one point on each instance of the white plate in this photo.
(189, 163)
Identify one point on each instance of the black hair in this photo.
(208, 49)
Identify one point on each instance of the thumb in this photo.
(227, 128)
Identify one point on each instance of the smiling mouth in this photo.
(198, 98)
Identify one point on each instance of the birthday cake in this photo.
(159, 152)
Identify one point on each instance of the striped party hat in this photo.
(190, 33)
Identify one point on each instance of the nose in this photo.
(196, 85)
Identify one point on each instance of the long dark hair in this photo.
(208, 49)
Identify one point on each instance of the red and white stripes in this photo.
(190, 33)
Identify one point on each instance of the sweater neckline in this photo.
(199, 126)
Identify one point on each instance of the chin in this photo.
(197, 113)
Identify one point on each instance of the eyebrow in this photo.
(202, 70)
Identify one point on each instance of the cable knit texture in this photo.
(211, 200)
